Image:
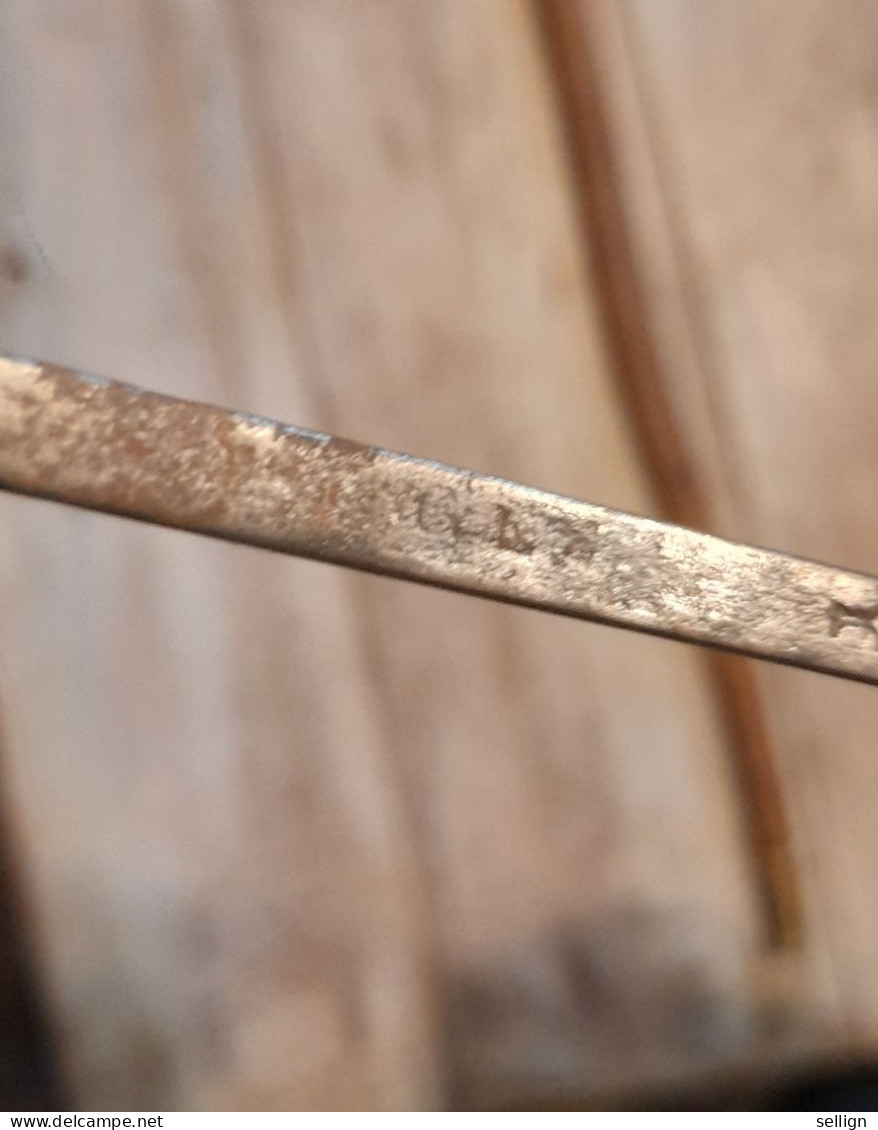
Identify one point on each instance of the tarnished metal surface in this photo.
(107, 446)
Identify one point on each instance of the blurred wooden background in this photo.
(278, 837)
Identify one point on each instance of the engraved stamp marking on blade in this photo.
(858, 616)
(441, 512)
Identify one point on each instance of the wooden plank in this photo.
(298, 839)
(199, 806)
(746, 157)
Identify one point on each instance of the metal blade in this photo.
(108, 446)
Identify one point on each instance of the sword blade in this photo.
(107, 446)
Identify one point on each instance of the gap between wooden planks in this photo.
(683, 494)
(745, 175)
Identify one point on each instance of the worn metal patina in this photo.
(107, 446)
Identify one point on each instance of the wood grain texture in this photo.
(749, 166)
(298, 839)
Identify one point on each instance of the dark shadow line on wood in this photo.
(642, 382)
(31, 1070)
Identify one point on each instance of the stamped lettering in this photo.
(861, 616)
(462, 520)
(568, 540)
